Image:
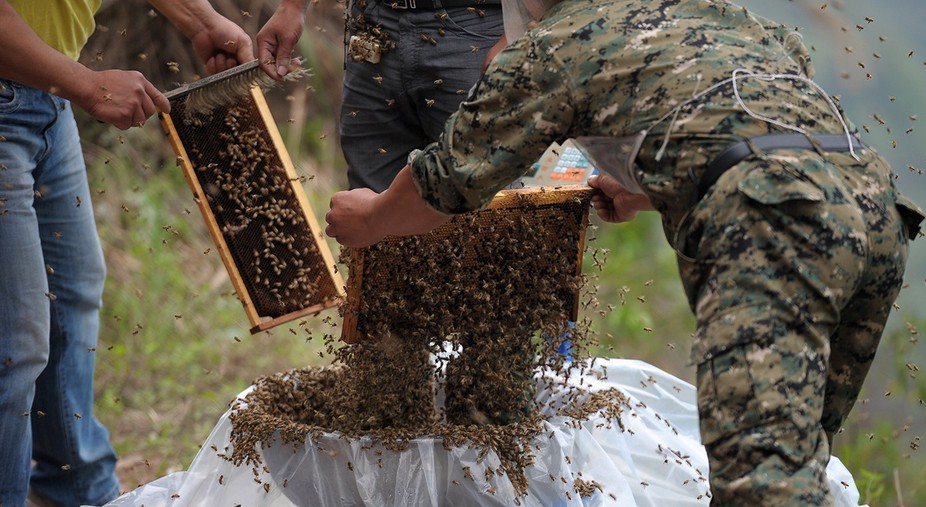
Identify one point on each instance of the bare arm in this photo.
(123, 98)
(28, 60)
(278, 37)
(219, 42)
(362, 217)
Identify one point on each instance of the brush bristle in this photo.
(223, 92)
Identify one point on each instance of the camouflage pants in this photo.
(791, 264)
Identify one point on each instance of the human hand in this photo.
(351, 221)
(123, 98)
(222, 44)
(278, 37)
(361, 217)
(613, 202)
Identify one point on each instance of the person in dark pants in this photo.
(408, 65)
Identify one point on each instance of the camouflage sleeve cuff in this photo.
(435, 185)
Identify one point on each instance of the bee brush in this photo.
(208, 93)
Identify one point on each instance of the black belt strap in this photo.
(738, 152)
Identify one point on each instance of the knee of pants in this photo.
(762, 396)
(25, 356)
(79, 274)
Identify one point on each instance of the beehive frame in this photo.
(532, 205)
(308, 273)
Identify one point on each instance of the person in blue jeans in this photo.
(408, 65)
(51, 264)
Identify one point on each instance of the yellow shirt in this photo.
(63, 24)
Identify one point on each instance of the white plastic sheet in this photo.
(655, 461)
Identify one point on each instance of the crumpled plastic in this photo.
(656, 460)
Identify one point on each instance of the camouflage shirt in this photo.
(616, 68)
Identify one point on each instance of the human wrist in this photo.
(299, 6)
(190, 17)
(78, 85)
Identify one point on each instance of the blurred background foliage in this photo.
(175, 347)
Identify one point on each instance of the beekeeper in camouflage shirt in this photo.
(790, 234)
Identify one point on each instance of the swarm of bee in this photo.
(496, 286)
(252, 199)
(476, 310)
(300, 407)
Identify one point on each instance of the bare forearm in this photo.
(361, 217)
(27, 59)
(190, 17)
(219, 42)
(277, 40)
(122, 98)
(401, 211)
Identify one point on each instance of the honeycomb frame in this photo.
(571, 202)
(269, 215)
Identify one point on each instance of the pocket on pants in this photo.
(741, 389)
(482, 24)
(911, 215)
(8, 102)
(779, 183)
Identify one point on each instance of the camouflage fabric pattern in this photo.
(790, 263)
(615, 68)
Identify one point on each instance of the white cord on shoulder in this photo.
(674, 112)
(764, 77)
(815, 86)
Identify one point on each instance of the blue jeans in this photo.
(51, 287)
(402, 102)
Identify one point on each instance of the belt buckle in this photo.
(402, 4)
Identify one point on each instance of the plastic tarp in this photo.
(656, 460)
